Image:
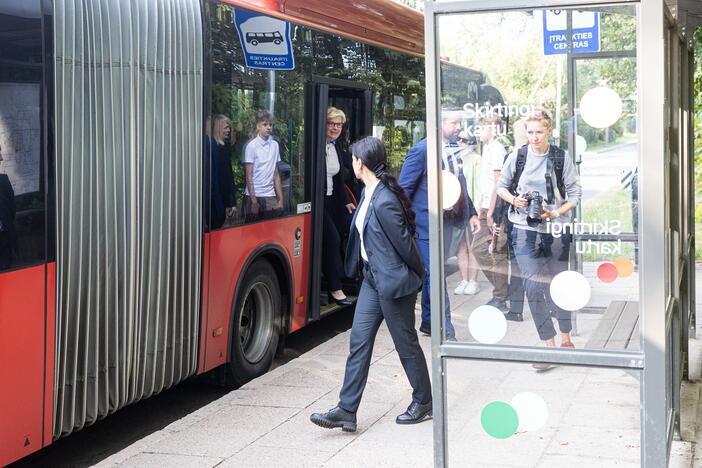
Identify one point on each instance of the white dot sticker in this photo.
(531, 410)
(570, 290)
(487, 324)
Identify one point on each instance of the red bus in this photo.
(125, 266)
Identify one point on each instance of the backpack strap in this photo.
(558, 157)
(519, 168)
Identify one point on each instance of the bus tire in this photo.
(256, 325)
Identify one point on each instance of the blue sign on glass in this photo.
(265, 40)
(586, 31)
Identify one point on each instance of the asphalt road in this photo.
(130, 424)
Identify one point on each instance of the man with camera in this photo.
(542, 186)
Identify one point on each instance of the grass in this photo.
(620, 140)
(612, 205)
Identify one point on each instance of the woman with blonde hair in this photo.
(337, 207)
(223, 196)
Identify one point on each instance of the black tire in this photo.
(254, 42)
(256, 326)
(277, 41)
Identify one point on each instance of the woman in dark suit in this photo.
(337, 207)
(381, 246)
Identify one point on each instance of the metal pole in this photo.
(436, 267)
(652, 150)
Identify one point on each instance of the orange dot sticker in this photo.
(607, 272)
(624, 266)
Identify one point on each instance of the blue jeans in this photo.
(541, 257)
(423, 246)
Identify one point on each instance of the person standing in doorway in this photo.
(8, 237)
(337, 206)
(381, 246)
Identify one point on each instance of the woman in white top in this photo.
(337, 206)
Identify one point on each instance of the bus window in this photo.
(22, 203)
(260, 131)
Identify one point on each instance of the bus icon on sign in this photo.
(255, 38)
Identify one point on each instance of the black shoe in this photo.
(335, 417)
(502, 305)
(513, 317)
(415, 413)
(425, 328)
(342, 302)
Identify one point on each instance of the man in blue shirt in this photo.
(413, 179)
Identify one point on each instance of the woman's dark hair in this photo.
(371, 151)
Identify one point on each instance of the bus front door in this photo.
(355, 101)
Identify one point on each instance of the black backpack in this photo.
(556, 158)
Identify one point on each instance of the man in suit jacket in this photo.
(413, 179)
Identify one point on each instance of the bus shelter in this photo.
(590, 372)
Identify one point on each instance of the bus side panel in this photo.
(301, 273)
(21, 362)
(50, 352)
(201, 367)
(229, 250)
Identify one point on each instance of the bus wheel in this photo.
(256, 324)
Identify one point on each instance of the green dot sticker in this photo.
(499, 419)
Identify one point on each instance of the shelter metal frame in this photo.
(660, 304)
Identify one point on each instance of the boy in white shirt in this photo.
(263, 197)
(494, 264)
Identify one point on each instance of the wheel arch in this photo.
(278, 259)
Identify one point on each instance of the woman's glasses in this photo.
(335, 124)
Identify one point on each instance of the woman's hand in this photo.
(350, 207)
(550, 214)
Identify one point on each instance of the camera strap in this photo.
(549, 171)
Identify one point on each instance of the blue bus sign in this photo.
(265, 41)
(586, 32)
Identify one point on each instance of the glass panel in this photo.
(549, 256)
(502, 414)
(22, 203)
(257, 118)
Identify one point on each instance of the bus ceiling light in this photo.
(451, 189)
(601, 107)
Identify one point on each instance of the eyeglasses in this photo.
(335, 124)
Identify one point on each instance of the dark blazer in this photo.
(393, 257)
(413, 180)
(339, 196)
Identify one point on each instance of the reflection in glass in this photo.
(574, 201)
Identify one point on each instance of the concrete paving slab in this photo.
(159, 460)
(258, 456)
(388, 454)
(226, 432)
(550, 461)
(582, 441)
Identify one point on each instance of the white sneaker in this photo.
(461, 287)
(471, 288)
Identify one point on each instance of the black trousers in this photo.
(399, 316)
(331, 247)
(516, 282)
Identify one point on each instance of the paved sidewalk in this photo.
(593, 416)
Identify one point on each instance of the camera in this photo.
(534, 208)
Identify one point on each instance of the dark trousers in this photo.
(331, 248)
(399, 316)
(516, 282)
(541, 257)
(423, 246)
(267, 209)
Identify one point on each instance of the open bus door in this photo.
(356, 101)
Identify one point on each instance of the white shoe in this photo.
(461, 287)
(471, 288)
